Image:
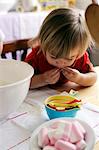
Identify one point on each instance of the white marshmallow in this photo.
(56, 124)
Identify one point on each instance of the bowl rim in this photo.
(49, 98)
(58, 96)
(20, 81)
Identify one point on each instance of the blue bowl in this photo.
(53, 113)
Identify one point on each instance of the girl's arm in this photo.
(87, 79)
(83, 79)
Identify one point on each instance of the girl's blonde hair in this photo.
(62, 31)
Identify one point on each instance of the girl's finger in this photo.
(69, 70)
(53, 72)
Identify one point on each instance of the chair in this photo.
(17, 49)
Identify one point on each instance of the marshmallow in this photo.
(81, 145)
(80, 127)
(56, 124)
(62, 131)
(43, 139)
(63, 145)
(76, 135)
(49, 148)
(67, 130)
(52, 136)
(62, 135)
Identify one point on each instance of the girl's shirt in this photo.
(38, 61)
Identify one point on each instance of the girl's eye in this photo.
(70, 59)
(53, 57)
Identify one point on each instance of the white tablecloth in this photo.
(15, 133)
(21, 25)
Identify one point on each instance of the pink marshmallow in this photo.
(52, 136)
(49, 148)
(81, 145)
(43, 139)
(64, 145)
(80, 127)
(76, 134)
(61, 132)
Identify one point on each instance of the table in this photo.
(90, 94)
(93, 96)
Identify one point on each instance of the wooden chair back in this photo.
(15, 48)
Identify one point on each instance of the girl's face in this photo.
(63, 62)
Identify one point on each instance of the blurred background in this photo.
(20, 19)
(33, 5)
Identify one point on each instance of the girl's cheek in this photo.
(69, 63)
(80, 55)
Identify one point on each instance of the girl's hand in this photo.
(52, 76)
(72, 74)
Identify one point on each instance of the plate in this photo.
(90, 136)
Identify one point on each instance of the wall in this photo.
(82, 4)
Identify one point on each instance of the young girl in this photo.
(62, 55)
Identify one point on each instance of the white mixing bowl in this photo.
(14, 85)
